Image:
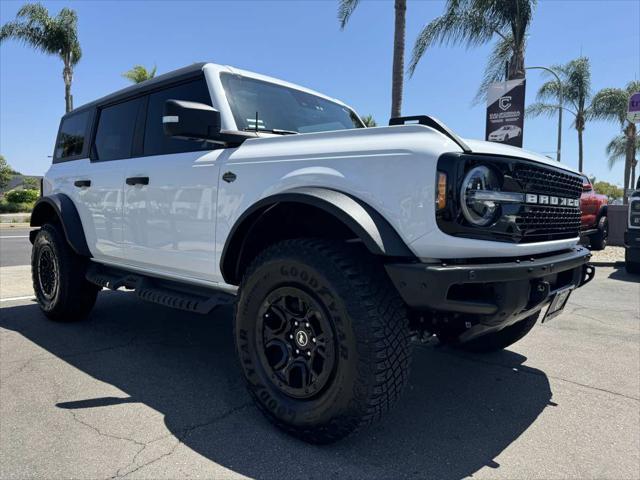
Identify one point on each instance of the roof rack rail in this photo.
(433, 123)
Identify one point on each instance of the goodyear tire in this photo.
(58, 275)
(630, 266)
(492, 342)
(322, 338)
(599, 239)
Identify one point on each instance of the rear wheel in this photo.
(630, 266)
(501, 339)
(323, 338)
(599, 239)
(58, 275)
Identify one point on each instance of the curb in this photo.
(15, 225)
(618, 263)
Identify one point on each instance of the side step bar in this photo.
(191, 298)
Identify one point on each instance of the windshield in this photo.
(281, 109)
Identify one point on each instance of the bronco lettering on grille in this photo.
(551, 200)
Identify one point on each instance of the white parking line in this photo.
(14, 236)
(11, 299)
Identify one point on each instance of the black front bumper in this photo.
(497, 293)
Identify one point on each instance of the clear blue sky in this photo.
(301, 42)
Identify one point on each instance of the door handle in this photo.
(137, 181)
(82, 183)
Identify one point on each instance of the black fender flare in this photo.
(61, 206)
(375, 232)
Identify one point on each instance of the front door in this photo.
(170, 195)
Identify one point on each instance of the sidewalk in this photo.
(14, 217)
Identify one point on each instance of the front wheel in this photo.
(58, 275)
(322, 337)
(599, 239)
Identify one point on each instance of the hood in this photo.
(493, 148)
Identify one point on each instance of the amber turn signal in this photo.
(441, 198)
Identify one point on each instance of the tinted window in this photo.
(114, 135)
(71, 137)
(283, 108)
(155, 141)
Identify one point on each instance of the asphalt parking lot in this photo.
(140, 391)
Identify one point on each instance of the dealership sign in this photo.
(633, 112)
(505, 112)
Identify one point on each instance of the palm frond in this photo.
(345, 10)
(616, 149)
(139, 74)
(455, 26)
(633, 86)
(369, 121)
(53, 35)
(540, 109)
(610, 104)
(495, 70)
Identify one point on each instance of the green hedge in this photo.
(22, 196)
(10, 207)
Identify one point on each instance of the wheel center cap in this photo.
(302, 339)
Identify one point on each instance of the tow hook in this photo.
(588, 272)
(539, 293)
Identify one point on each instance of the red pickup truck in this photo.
(594, 226)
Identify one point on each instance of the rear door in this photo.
(171, 194)
(103, 199)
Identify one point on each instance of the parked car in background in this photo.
(632, 235)
(594, 226)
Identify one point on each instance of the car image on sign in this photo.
(505, 132)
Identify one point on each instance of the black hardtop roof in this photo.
(169, 77)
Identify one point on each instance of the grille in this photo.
(538, 223)
(548, 181)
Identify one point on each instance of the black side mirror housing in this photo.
(191, 120)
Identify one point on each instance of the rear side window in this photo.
(72, 135)
(114, 135)
(155, 141)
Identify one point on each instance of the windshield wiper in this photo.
(277, 131)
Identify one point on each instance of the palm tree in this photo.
(611, 104)
(346, 8)
(575, 81)
(369, 121)
(617, 150)
(139, 74)
(476, 22)
(52, 35)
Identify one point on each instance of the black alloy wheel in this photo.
(296, 342)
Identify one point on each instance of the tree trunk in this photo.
(516, 64)
(398, 58)
(580, 151)
(67, 75)
(629, 157)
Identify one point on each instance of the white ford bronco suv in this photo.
(336, 243)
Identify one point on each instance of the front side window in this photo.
(265, 106)
(155, 141)
(114, 135)
(71, 138)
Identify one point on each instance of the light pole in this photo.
(560, 98)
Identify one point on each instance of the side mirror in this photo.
(191, 120)
(638, 184)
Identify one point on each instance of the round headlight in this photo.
(478, 211)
